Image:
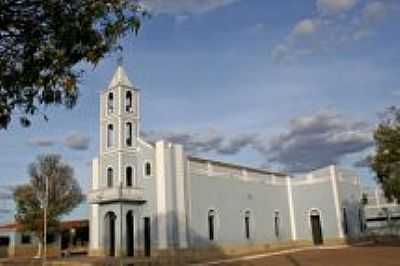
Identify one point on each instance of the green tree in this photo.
(64, 194)
(42, 43)
(386, 161)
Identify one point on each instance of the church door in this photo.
(316, 228)
(130, 234)
(147, 236)
(110, 233)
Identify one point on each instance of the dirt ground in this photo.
(377, 255)
(353, 256)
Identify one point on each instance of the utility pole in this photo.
(45, 205)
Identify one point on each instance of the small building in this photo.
(73, 239)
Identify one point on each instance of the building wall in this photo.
(314, 192)
(350, 194)
(230, 196)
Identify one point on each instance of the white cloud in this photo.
(305, 27)
(331, 27)
(77, 141)
(41, 142)
(335, 6)
(179, 7)
(373, 13)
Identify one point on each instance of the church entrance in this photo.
(316, 228)
(130, 234)
(147, 237)
(110, 233)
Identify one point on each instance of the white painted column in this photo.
(336, 200)
(95, 174)
(180, 196)
(94, 227)
(94, 209)
(291, 208)
(161, 195)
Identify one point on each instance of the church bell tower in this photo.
(117, 188)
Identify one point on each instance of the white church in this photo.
(153, 198)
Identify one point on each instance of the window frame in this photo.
(133, 176)
(247, 224)
(110, 135)
(129, 108)
(109, 177)
(212, 233)
(145, 169)
(277, 224)
(129, 134)
(110, 102)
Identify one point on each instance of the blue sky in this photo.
(289, 85)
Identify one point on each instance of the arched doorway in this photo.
(129, 234)
(109, 230)
(316, 228)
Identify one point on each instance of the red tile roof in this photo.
(64, 224)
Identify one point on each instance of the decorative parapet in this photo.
(125, 194)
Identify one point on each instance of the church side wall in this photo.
(230, 198)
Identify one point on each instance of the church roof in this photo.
(120, 78)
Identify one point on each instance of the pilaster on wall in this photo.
(335, 192)
(180, 196)
(94, 227)
(161, 195)
(291, 208)
(95, 174)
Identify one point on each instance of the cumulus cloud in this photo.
(335, 6)
(334, 24)
(178, 7)
(203, 142)
(41, 142)
(310, 142)
(77, 141)
(305, 27)
(372, 14)
(316, 141)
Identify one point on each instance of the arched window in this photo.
(361, 220)
(110, 102)
(128, 133)
(345, 224)
(211, 225)
(147, 169)
(277, 224)
(247, 224)
(128, 101)
(110, 135)
(129, 176)
(110, 177)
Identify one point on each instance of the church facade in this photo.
(147, 198)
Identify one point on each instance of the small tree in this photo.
(64, 194)
(386, 162)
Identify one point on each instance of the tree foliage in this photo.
(64, 194)
(386, 161)
(43, 41)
